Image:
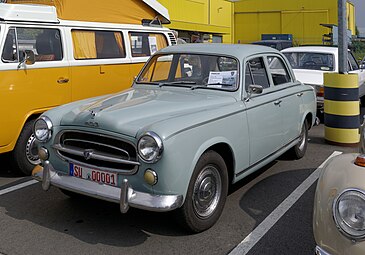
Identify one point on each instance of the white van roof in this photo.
(28, 12)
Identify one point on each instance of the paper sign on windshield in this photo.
(224, 78)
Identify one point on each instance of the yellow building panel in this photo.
(246, 27)
(269, 23)
(221, 13)
(302, 18)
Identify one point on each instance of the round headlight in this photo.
(150, 147)
(349, 213)
(43, 129)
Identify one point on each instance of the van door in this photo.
(28, 90)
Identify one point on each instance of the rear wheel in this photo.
(206, 193)
(25, 153)
(298, 151)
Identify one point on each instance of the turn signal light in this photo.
(320, 92)
(360, 160)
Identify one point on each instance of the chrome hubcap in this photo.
(207, 191)
(31, 151)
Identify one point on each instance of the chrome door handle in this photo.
(300, 94)
(278, 102)
(62, 80)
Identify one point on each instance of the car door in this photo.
(288, 93)
(29, 89)
(263, 112)
(354, 68)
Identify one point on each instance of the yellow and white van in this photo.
(46, 62)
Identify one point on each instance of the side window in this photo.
(256, 68)
(248, 76)
(44, 42)
(278, 71)
(89, 44)
(353, 63)
(10, 52)
(146, 44)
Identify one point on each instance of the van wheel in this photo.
(298, 151)
(206, 193)
(25, 155)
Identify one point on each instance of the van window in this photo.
(89, 44)
(10, 49)
(44, 42)
(146, 44)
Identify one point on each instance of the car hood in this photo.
(311, 77)
(136, 109)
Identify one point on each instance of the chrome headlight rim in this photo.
(341, 225)
(49, 126)
(159, 147)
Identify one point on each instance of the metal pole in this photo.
(342, 37)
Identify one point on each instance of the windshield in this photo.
(191, 70)
(310, 60)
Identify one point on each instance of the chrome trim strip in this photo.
(320, 251)
(94, 155)
(125, 196)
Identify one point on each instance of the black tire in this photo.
(202, 208)
(298, 151)
(25, 156)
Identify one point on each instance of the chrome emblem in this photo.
(93, 114)
(88, 153)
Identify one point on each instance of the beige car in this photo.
(339, 205)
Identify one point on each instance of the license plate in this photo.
(94, 175)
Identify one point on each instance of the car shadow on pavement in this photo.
(265, 196)
(90, 220)
(6, 168)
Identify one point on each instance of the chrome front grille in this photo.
(96, 150)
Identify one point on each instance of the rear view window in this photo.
(44, 42)
(146, 44)
(310, 60)
(97, 44)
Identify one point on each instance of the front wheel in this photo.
(25, 155)
(300, 148)
(206, 193)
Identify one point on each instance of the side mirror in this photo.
(27, 58)
(253, 89)
(362, 65)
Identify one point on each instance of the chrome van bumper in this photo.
(125, 195)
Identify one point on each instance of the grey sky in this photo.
(360, 12)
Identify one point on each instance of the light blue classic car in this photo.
(198, 118)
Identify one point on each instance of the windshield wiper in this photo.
(177, 83)
(148, 82)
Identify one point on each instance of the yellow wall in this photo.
(205, 16)
(302, 18)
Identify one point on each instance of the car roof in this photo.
(323, 49)
(239, 51)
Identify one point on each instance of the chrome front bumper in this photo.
(320, 251)
(125, 195)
